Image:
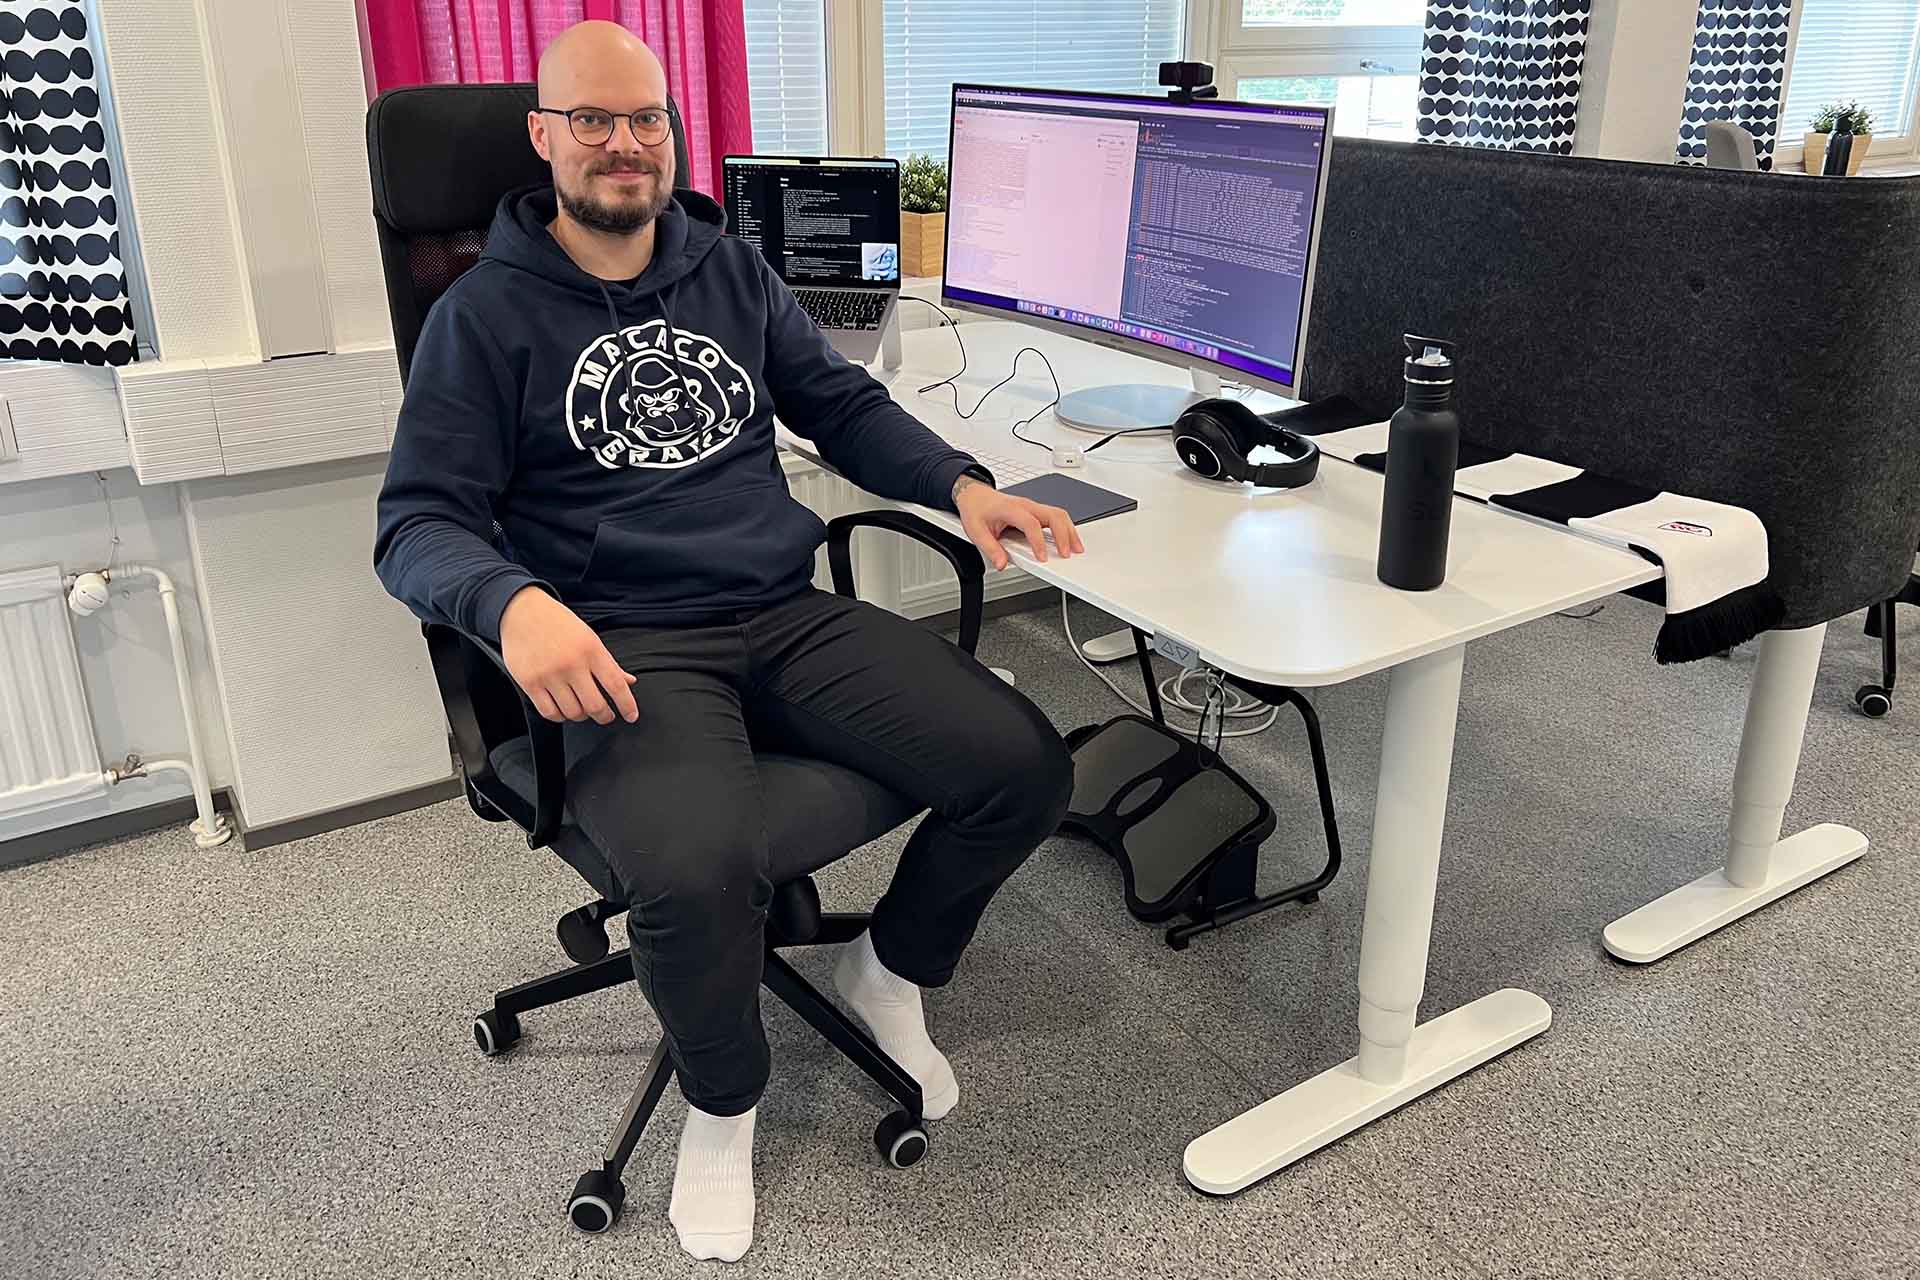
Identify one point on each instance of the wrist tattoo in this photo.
(964, 483)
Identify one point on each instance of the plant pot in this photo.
(923, 243)
(1814, 157)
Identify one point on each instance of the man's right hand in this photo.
(559, 662)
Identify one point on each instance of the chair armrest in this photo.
(958, 552)
(460, 663)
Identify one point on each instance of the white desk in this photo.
(1279, 587)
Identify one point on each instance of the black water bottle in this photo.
(1423, 449)
(1839, 147)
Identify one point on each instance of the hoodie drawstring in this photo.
(666, 316)
(665, 301)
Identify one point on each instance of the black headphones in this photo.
(1214, 437)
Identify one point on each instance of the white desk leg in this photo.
(1760, 865)
(1398, 1060)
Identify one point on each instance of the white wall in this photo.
(124, 656)
(1635, 79)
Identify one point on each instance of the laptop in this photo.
(830, 228)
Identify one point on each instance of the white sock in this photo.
(890, 1006)
(712, 1206)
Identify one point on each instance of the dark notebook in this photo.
(1082, 501)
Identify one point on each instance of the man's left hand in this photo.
(987, 514)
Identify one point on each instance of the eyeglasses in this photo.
(593, 126)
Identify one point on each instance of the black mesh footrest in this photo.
(1185, 834)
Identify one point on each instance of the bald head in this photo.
(613, 157)
(599, 57)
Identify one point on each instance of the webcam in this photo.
(1188, 80)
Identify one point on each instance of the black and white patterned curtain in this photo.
(63, 291)
(1739, 73)
(1503, 73)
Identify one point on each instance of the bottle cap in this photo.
(1429, 360)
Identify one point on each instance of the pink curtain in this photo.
(703, 44)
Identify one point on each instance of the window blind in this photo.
(1849, 49)
(787, 75)
(1054, 44)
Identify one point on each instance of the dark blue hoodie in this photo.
(622, 433)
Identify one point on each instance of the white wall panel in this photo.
(302, 409)
(323, 678)
(177, 183)
(266, 152)
(333, 108)
(170, 428)
(66, 419)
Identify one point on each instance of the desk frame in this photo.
(1398, 1058)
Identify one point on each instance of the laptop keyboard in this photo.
(844, 308)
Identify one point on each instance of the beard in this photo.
(621, 219)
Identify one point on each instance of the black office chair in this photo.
(1876, 700)
(441, 158)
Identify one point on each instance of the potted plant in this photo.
(1838, 117)
(923, 216)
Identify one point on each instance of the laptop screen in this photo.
(818, 222)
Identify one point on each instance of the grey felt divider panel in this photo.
(1750, 338)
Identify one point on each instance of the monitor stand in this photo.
(1130, 405)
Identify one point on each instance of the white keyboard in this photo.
(1010, 471)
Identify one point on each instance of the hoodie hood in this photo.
(686, 232)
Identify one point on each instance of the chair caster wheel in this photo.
(1177, 940)
(901, 1139)
(1873, 701)
(496, 1032)
(1309, 898)
(596, 1202)
(582, 937)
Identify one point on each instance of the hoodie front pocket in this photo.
(729, 546)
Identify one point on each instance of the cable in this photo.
(1129, 431)
(1012, 372)
(1173, 694)
(959, 373)
(1209, 757)
(113, 525)
(953, 325)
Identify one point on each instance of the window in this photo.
(1058, 44)
(1287, 13)
(869, 76)
(787, 76)
(1864, 49)
(1362, 57)
(1370, 106)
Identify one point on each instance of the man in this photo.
(603, 383)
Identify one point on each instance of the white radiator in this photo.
(926, 580)
(827, 496)
(47, 752)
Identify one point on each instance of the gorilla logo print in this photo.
(647, 397)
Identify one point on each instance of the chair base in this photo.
(595, 1203)
(1876, 700)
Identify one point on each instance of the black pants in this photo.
(674, 803)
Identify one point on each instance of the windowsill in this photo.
(1902, 165)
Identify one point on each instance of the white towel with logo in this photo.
(1714, 556)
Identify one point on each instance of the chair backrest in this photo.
(1731, 147)
(441, 157)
